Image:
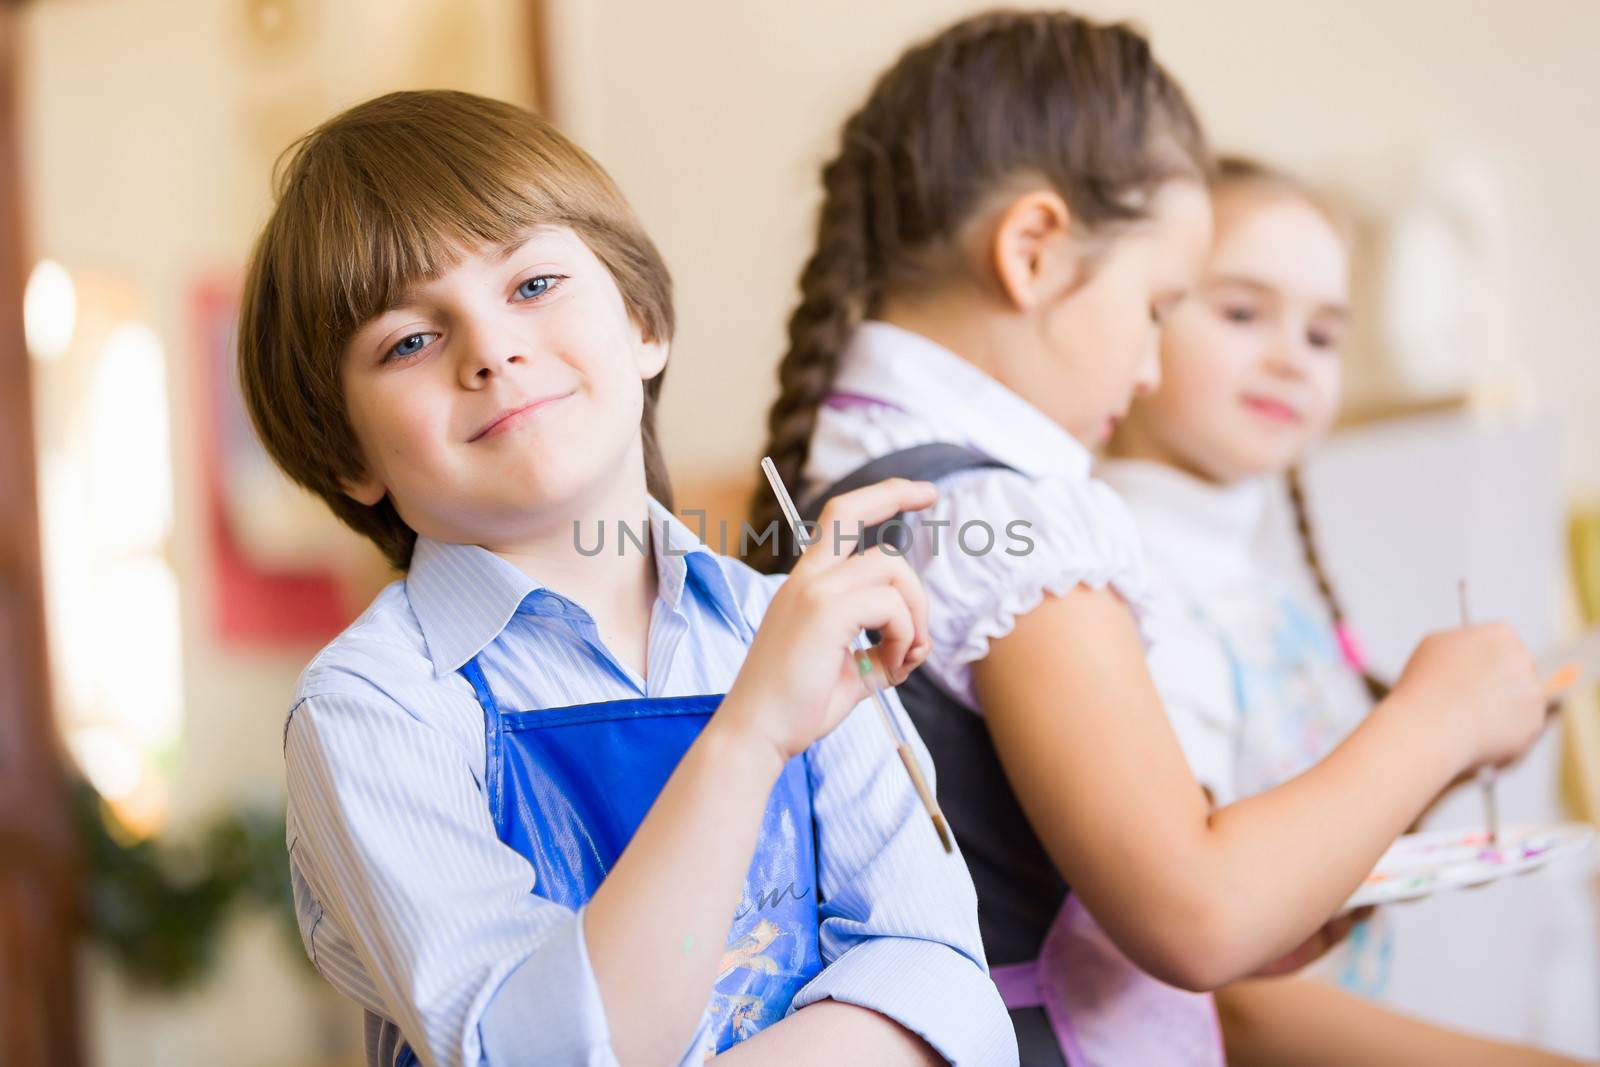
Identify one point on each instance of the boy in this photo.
(454, 332)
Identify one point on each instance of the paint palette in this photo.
(1419, 865)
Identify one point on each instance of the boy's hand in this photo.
(800, 677)
(1482, 684)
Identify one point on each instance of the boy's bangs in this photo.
(378, 218)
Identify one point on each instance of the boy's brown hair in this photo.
(384, 196)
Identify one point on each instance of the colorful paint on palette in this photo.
(1420, 864)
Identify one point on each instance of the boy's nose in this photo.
(486, 353)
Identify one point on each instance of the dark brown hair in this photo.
(1004, 97)
(389, 194)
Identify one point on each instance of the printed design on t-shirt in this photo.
(1286, 666)
(1284, 663)
(1366, 958)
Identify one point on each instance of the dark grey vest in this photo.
(1019, 889)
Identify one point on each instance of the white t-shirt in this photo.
(1244, 651)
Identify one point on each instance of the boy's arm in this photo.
(1312, 1024)
(398, 846)
(819, 1033)
(899, 920)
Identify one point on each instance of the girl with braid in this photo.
(1252, 655)
(1011, 213)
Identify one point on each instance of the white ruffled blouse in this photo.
(997, 540)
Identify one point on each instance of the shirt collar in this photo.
(464, 595)
(1190, 518)
(920, 376)
(684, 561)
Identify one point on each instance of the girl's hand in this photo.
(1481, 684)
(800, 677)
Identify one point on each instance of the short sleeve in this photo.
(997, 542)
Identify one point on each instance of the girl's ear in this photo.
(1034, 256)
(651, 357)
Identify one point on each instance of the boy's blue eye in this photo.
(537, 286)
(409, 346)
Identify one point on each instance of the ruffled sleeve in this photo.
(997, 541)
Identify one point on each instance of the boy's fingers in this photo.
(888, 672)
(846, 517)
(903, 577)
(883, 610)
(882, 570)
(896, 634)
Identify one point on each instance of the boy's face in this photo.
(504, 392)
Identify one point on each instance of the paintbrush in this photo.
(861, 647)
(1487, 775)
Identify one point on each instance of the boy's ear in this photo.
(1034, 256)
(366, 489)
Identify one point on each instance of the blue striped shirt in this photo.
(411, 905)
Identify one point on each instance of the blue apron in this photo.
(567, 788)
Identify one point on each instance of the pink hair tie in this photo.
(1350, 647)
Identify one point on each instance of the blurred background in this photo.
(161, 587)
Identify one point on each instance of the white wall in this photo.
(716, 114)
(149, 130)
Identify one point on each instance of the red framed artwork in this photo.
(257, 598)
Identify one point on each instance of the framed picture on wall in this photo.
(279, 566)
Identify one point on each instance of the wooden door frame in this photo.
(38, 887)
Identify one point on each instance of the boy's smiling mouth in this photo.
(514, 416)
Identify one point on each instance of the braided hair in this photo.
(1234, 171)
(1049, 97)
(1376, 688)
